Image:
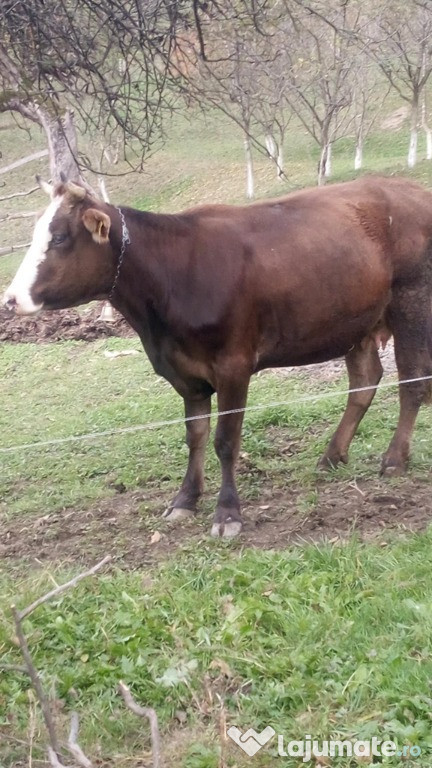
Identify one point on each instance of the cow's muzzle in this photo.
(21, 306)
(9, 301)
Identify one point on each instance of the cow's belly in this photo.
(320, 326)
(319, 347)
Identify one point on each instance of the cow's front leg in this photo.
(231, 395)
(197, 435)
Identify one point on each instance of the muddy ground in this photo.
(64, 325)
(129, 525)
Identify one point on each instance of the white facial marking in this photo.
(19, 291)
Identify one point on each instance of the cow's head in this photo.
(70, 260)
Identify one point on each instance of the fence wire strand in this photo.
(215, 414)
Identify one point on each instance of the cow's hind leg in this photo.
(231, 394)
(197, 435)
(364, 370)
(411, 325)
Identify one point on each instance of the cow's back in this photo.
(305, 276)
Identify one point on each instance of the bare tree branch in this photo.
(72, 745)
(14, 668)
(19, 194)
(13, 248)
(54, 748)
(32, 724)
(63, 587)
(150, 714)
(19, 215)
(24, 161)
(54, 760)
(36, 681)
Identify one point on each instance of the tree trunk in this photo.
(280, 162)
(249, 169)
(328, 161)
(358, 159)
(271, 146)
(62, 145)
(322, 165)
(428, 143)
(107, 312)
(61, 137)
(412, 151)
(325, 152)
(427, 130)
(275, 152)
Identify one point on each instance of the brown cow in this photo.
(218, 293)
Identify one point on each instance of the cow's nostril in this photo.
(10, 303)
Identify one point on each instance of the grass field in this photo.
(330, 640)
(312, 636)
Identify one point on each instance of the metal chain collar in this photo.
(125, 241)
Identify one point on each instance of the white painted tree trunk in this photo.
(249, 169)
(321, 166)
(328, 161)
(426, 129)
(358, 159)
(428, 144)
(271, 146)
(412, 151)
(275, 151)
(280, 163)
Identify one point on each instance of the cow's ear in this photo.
(98, 224)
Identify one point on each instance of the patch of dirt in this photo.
(368, 507)
(125, 524)
(66, 324)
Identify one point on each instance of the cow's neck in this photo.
(146, 276)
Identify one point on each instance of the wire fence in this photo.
(181, 420)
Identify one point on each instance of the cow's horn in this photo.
(47, 188)
(75, 191)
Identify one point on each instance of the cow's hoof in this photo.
(178, 513)
(393, 470)
(331, 461)
(226, 530)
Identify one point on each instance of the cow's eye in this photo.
(58, 238)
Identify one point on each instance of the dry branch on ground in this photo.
(54, 751)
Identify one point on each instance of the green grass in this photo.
(334, 641)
